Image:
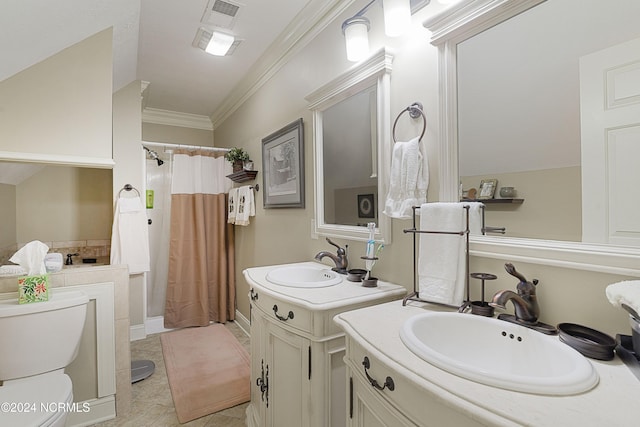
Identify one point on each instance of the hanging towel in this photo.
(232, 207)
(130, 235)
(625, 292)
(442, 258)
(246, 205)
(409, 179)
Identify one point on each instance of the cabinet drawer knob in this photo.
(253, 294)
(388, 383)
(284, 319)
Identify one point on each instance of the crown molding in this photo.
(314, 18)
(174, 118)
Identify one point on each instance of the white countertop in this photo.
(325, 298)
(615, 401)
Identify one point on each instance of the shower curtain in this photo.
(201, 282)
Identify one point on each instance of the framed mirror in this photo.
(457, 32)
(352, 149)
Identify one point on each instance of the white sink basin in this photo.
(499, 354)
(303, 277)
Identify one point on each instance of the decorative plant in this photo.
(237, 155)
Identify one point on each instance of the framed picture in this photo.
(366, 208)
(283, 165)
(487, 189)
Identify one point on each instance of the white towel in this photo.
(408, 181)
(232, 207)
(442, 258)
(626, 292)
(246, 205)
(130, 235)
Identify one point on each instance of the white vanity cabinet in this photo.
(298, 374)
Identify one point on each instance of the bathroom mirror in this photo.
(454, 31)
(53, 204)
(351, 134)
(532, 60)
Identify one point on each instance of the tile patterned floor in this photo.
(152, 403)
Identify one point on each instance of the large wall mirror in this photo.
(510, 103)
(351, 117)
(53, 203)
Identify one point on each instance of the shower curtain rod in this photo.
(182, 146)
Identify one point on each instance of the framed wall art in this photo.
(283, 165)
(487, 189)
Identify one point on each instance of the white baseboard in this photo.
(243, 322)
(101, 409)
(137, 332)
(155, 325)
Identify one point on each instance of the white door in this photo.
(610, 125)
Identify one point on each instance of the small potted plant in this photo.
(237, 156)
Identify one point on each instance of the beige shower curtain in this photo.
(201, 282)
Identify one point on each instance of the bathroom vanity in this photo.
(398, 388)
(297, 351)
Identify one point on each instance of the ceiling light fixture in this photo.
(397, 18)
(219, 44)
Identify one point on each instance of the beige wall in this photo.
(152, 132)
(64, 203)
(284, 235)
(62, 105)
(8, 235)
(552, 209)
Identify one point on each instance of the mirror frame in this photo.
(448, 28)
(374, 71)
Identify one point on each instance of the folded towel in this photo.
(626, 292)
(232, 207)
(442, 260)
(408, 179)
(130, 235)
(246, 205)
(475, 216)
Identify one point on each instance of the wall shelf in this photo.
(242, 176)
(496, 201)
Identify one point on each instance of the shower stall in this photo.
(158, 170)
(159, 166)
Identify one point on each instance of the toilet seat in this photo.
(26, 395)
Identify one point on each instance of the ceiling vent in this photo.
(221, 13)
(204, 35)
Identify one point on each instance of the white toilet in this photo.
(37, 341)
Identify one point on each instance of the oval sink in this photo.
(303, 277)
(497, 353)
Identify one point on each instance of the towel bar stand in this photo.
(414, 296)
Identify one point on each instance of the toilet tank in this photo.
(40, 337)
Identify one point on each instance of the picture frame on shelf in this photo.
(487, 189)
(283, 165)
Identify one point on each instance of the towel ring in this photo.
(415, 111)
(128, 187)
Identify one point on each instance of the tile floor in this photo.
(152, 404)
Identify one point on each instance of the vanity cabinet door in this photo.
(259, 386)
(367, 408)
(287, 355)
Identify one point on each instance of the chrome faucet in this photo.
(524, 302)
(340, 259)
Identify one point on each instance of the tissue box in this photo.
(33, 289)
